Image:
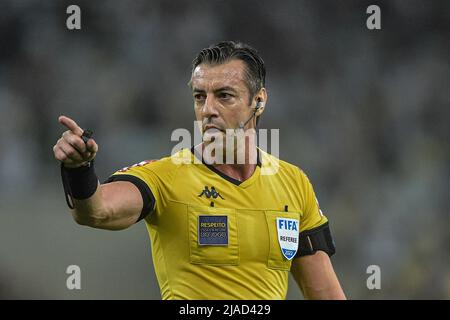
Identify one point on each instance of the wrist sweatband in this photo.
(79, 183)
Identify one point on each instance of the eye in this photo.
(225, 95)
(199, 97)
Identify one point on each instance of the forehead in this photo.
(210, 77)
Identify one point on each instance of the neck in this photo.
(239, 172)
(244, 164)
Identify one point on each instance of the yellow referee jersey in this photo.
(214, 237)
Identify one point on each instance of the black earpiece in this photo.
(258, 105)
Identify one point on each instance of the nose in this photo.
(209, 109)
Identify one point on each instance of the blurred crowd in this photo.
(365, 113)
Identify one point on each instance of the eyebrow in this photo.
(226, 88)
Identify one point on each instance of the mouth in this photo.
(211, 129)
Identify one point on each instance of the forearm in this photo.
(84, 194)
(91, 211)
(326, 289)
(113, 206)
(316, 277)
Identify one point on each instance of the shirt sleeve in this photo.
(313, 216)
(146, 182)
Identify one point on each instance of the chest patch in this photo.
(212, 230)
(288, 231)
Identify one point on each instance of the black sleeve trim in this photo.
(146, 193)
(314, 240)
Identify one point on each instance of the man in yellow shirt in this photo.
(219, 230)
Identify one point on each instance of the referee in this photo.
(218, 230)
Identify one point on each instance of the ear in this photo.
(261, 108)
(261, 99)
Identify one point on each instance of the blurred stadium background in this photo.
(364, 113)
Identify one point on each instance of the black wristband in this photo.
(79, 183)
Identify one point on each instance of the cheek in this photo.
(234, 112)
(231, 119)
(197, 112)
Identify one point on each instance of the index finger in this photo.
(71, 125)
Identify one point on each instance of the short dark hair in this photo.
(225, 51)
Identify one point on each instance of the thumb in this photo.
(92, 146)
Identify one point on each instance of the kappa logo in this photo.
(288, 234)
(210, 193)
